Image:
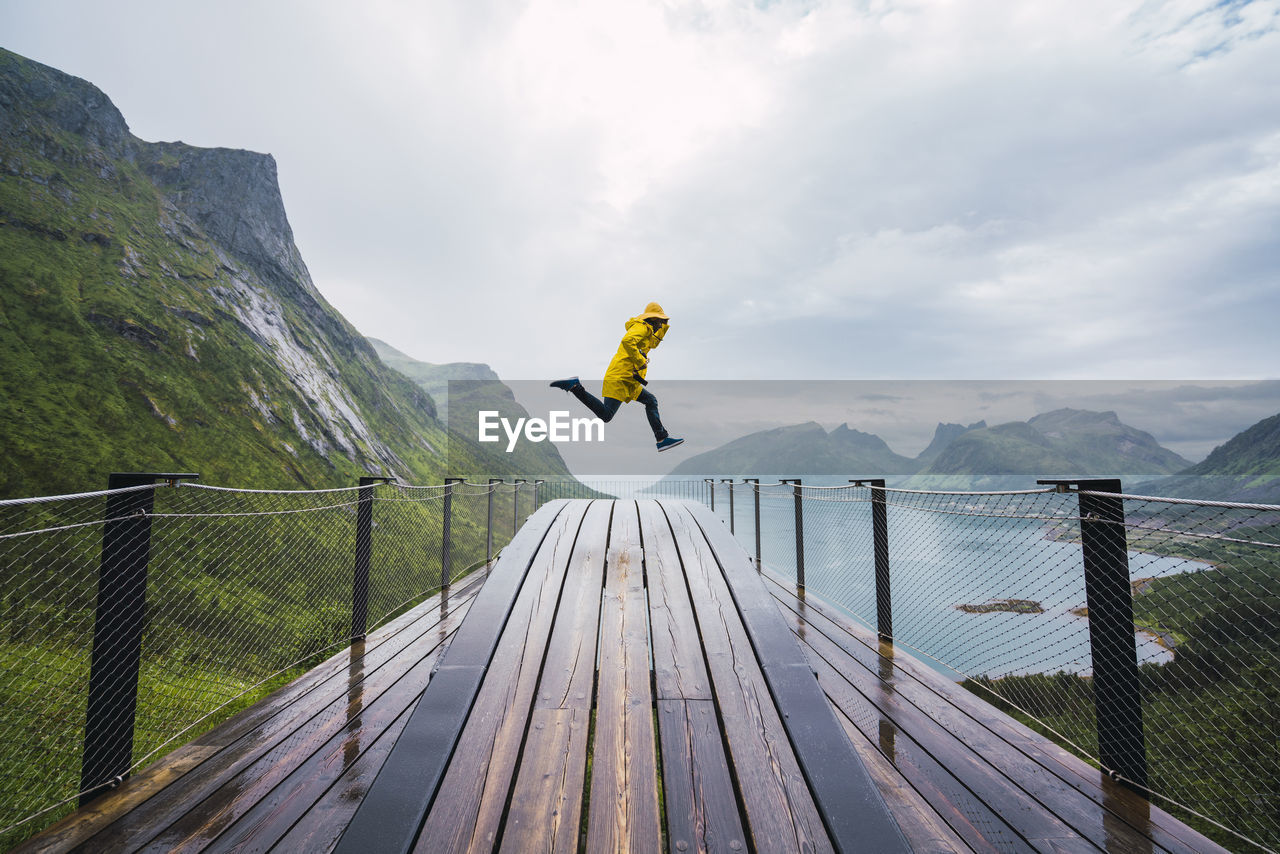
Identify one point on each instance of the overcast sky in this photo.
(943, 189)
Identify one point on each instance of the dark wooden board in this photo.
(568, 678)
(397, 803)
(1082, 796)
(932, 758)
(940, 727)
(853, 809)
(245, 731)
(982, 827)
(546, 803)
(678, 667)
(701, 805)
(468, 810)
(623, 810)
(924, 829)
(309, 720)
(260, 804)
(324, 822)
(780, 812)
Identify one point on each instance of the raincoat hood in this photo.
(651, 310)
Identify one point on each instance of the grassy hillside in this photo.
(155, 316)
(1245, 468)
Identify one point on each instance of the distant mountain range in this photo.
(1062, 443)
(155, 315)
(1066, 442)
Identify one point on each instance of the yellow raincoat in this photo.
(633, 355)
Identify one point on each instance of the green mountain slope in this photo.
(1244, 468)
(476, 387)
(800, 449)
(432, 378)
(155, 315)
(943, 436)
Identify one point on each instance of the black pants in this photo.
(609, 407)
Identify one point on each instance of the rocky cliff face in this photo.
(156, 313)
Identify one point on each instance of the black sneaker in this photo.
(669, 443)
(568, 385)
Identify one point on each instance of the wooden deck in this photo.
(622, 680)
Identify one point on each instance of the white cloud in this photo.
(970, 189)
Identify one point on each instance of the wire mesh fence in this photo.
(1055, 612)
(237, 592)
(688, 488)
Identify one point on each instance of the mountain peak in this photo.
(73, 105)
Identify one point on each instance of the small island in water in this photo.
(1012, 606)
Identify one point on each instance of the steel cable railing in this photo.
(222, 595)
(1141, 633)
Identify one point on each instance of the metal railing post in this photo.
(116, 659)
(796, 490)
(515, 509)
(755, 490)
(713, 492)
(364, 552)
(488, 549)
(446, 540)
(535, 495)
(1117, 693)
(730, 482)
(880, 546)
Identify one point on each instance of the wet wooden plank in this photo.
(982, 827)
(397, 803)
(623, 811)
(960, 781)
(924, 829)
(319, 830)
(853, 810)
(701, 805)
(568, 678)
(780, 812)
(261, 803)
(1111, 816)
(467, 812)
(1036, 805)
(293, 798)
(250, 727)
(546, 804)
(678, 667)
(308, 720)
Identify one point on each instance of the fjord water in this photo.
(961, 550)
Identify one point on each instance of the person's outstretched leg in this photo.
(650, 403)
(604, 410)
(660, 435)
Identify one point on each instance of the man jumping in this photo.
(624, 381)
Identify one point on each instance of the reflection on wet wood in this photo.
(1021, 774)
(469, 807)
(623, 812)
